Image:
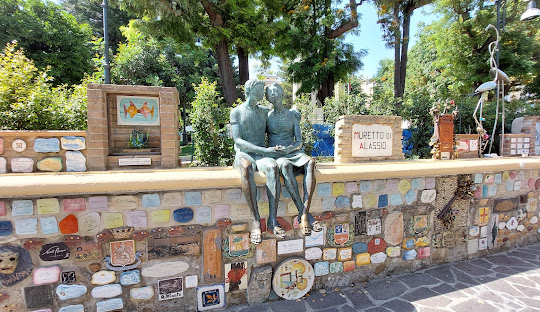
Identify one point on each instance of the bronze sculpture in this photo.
(248, 127)
(284, 133)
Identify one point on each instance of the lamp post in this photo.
(106, 64)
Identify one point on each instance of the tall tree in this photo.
(91, 12)
(222, 25)
(395, 19)
(310, 37)
(49, 36)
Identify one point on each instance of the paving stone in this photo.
(257, 308)
(415, 280)
(323, 301)
(484, 279)
(491, 296)
(482, 263)
(525, 255)
(504, 260)
(436, 301)
(474, 305)
(466, 289)
(348, 308)
(504, 287)
(399, 306)
(445, 274)
(471, 269)
(419, 294)
(288, 305)
(384, 290)
(445, 289)
(331, 310)
(520, 280)
(429, 309)
(358, 298)
(505, 270)
(528, 302)
(377, 309)
(464, 277)
(528, 291)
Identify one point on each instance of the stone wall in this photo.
(360, 138)
(517, 144)
(42, 151)
(189, 239)
(107, 140)
(531, 126)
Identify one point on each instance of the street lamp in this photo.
(106, 63)
(531, 13)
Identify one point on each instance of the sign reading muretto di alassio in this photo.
(371, 140)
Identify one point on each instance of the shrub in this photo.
(28, 101)
(209, 115)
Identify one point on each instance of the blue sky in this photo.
(370, 36)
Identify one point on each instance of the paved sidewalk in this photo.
(505, 282)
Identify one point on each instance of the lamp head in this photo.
(531, 13)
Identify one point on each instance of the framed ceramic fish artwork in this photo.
(137, 110)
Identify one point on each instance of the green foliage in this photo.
(138, 139)
(28, 101)
(316, 59)
(91, 12)
(344, 104)
(49, 36)
(306, 108)
(147, 61)
(213, 146)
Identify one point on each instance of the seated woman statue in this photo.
(283, 128)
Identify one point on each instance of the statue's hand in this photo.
(274, 151)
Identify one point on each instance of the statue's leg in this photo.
(250, 193)
(287, 169)
(309, 189)
(273, 190)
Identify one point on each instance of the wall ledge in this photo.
(135, 181)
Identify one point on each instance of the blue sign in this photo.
(6, 228)
(47, 145)
(22, 208)
(383, 200)
(183, 215)
(359, 248)
(130, 277)
(73, 143)
(342, 202)
(193, 198)
(324, 189)
(72, 308)
(110, 305)
(150, 200)
(409, 255)
(395, 199)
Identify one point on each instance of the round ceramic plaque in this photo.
(293, 278)
(19, 145)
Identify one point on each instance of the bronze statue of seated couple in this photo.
(251, 124)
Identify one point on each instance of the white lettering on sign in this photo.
(371, 140)
(135, 161)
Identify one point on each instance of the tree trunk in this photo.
(397, 52)
(225, 72)
(243, 65)
(326, 89)
(404, 51)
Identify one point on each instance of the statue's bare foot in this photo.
(256, 236)
(304, 225)
(316, 226)
(279, 231)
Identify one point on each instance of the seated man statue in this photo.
(284, 134)
(248, 127)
